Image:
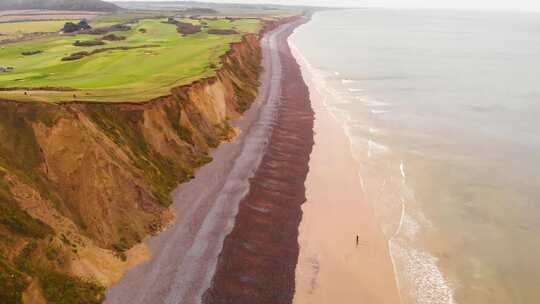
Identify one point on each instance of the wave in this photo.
(429, 285)
(375, 147)
(426, 282)
(424, 279)
(375, 112)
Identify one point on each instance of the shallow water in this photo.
(441, 109)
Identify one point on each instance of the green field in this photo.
(13, 30)
(131, 75)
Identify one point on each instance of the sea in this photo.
(442, 109)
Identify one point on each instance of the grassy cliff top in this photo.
(150, 59)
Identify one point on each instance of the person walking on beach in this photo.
(357, 240)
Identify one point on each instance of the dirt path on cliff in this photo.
(184, 257)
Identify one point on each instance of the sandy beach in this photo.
(332, 267)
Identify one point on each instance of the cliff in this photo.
(81, 184)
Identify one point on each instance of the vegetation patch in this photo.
(89, 43)
(184, 28)
(80, 55)
(71, 27)
(60, 288)
(108, 29)
(30, 53)
(124, 128)
(12, 284)
(113, 37)
(222, 32)
(57, 287)
(18, 221)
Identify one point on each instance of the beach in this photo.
(189, 260)
(259, 256)
(332, 266)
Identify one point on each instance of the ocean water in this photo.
(442, 109)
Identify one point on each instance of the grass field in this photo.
(118, 75)
(13, 30)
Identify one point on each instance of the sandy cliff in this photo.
(82, 184)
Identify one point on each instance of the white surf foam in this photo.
(375, 103)
(419, 268)
(429, 286)
(376, 112)
(375, 147)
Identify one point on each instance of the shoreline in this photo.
(185, 256)
(332, 267)
(259, 256)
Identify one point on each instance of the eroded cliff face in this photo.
(82, 184)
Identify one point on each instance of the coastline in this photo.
(259, 256)
(250, 231)
(184, 256)
(331, 266)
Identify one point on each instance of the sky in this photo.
(516, 5)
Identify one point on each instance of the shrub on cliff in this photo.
(12, 284)
(62, 288)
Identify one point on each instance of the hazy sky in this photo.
(522, 5)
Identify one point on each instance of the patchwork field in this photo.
(135, 65)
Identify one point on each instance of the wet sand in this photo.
(258, 261)
(184, 258)
(332, 268)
